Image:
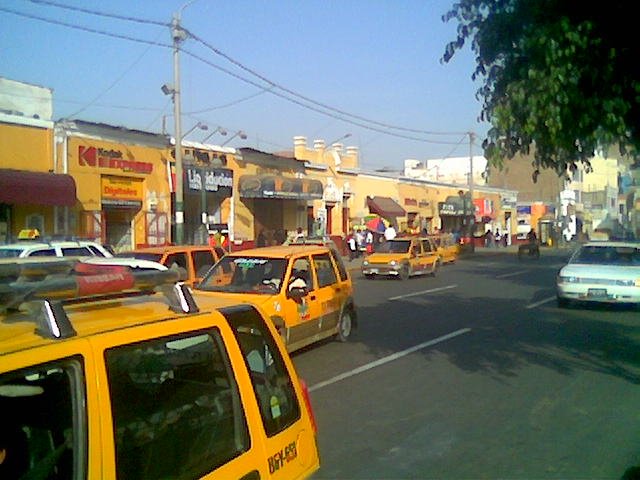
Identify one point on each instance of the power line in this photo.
(229, 104)
(84, 29)
(307, 99)
(100, 14)
(312, 107)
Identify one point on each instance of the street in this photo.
(477, 374)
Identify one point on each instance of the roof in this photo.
(168, 249)
(279, 251)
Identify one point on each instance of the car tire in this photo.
(404, 272)
(345, 326)
(434, 269)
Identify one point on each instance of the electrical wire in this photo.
(307, 99)
(100, 14)
(229, 104)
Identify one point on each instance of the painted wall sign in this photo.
(104, 158)
(218, 180)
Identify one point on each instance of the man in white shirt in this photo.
(390, 233)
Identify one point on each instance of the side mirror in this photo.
(297, 293)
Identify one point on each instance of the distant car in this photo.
(322, 240)
(54, 248)
(402, 257)
(602, 272)
(446, 246)
(195, 259)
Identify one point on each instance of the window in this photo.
(77, 252)
(426, 246)
(324, 270)
(176, 407)
(43, 421)
(45, 252)
(179, 259)
(95, 251)
(203, 260)
(271, 381)
(302, 269)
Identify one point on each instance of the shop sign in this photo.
(110, 158)
(450, 209)
(423, 204)
(120, 191)
(410, 202)
(219, 180)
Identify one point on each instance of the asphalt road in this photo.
(477, 374)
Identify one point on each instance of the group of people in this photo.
(496, 239)
(359, 242)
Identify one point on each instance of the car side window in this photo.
(426, 246)
(95, 251)
(301, 269)
(272, 384)
(177, 411)
(179, 259)
(43, 432)
(45, 252)
(324, 270)
(202, 261)
(76, 252)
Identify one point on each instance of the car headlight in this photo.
(393, 263)
(567, 279)
(365, 263)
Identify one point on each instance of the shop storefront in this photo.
(122, 184)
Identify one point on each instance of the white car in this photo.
(602, 272)
(54, 248)
(131, 262)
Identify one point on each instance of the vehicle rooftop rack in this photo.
(49, 285)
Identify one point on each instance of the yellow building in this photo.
(122, 179)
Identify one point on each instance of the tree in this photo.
(560, 78)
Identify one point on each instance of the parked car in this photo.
(54, 248)
(402, 258)
(195, 259)
(601, 272)
(305, 289)
(111, 379)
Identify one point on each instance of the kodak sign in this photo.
(113, 159)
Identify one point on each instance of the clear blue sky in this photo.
(374, 59)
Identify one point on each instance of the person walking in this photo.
(261, 241)
(389, 233)
(352, 246)
(368, 242)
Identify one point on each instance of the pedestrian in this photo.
(359, 242)
(280, 236)
(497, 238)
(299, 234)
(352, 246)
(389, 233)
(368, 242)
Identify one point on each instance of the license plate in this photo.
(373, 270)
(597, 292)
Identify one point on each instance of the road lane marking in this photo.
(387, 359)
(537, 304)
(512, 274)
(439, 289)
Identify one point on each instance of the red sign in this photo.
(100, 157)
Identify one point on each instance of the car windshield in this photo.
(153, 257)
(394, 246)
(607, 255)
(10, 252)
(245, 274)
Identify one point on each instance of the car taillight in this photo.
(307, 401)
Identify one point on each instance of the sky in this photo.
(272, 69)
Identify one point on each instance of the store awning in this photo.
(20, 187)
(275, 186)
(385, 207)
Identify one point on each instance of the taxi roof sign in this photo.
(29, 234)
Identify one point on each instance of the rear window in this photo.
(43, 421)
(608, 255)
(177, 411)
(10, 252)
(273, 386)
(46, 252)
(77, 252)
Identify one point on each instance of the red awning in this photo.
(19, 187)
(385, 207)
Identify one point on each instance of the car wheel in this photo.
(369, 276)
(345, 326)
(404, 272)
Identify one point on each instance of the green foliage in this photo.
(560, 78)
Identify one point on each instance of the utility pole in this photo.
(472, 219)
(178, 36)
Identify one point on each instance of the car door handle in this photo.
(312, 297)
(338, 289)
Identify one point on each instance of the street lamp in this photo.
(220, 130)
(200, 125)
(239, 133)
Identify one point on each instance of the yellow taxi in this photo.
(305, 290)
(402, 257)
(117, 374)
(195, 259)
(448, 249)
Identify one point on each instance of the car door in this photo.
(329, 293)
(429, 254)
